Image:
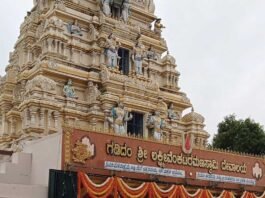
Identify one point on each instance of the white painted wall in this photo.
(22, 191)
(46, 155)
(16, 171)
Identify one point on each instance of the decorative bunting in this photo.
(251, 195)
(226, 194)
(116, 187)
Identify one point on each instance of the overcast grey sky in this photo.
(219, 47)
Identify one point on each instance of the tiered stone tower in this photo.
(98, 65)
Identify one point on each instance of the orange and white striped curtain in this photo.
(116, 187)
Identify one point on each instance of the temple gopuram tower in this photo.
(95, 65)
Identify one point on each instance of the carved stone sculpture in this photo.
(68, 90)
(19, 92)
(41, 83)
(150, 54)
(150, 6)
(75, 29)
(137, 56)
(55, 21)
(172, 114)
(59, 4)
(155, 123)
(92, 93)
(120, 118)
(106, 7)
(158, 27)
(42, 4)
(125, 10)
(112, 46)
(93, 33)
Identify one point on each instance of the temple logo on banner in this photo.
(83, 150)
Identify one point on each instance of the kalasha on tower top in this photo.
(96, 65)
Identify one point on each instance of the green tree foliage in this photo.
(240, 135)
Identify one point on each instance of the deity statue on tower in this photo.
(111, 50)
(75, 29)
(68, 90)
(120, 118)
(93, 34)
(106, 7)
(150, 54)
(158, 27)
(138, 56)
(125, 13)
(155, 123)
(172, 115)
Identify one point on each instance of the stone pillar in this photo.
(1, 124)
(13, 123)
(145, 72)
(176, 82)
(56, 119)
(33, 116)
(57, 46)
(167, 79)
(196, 141)
(102, 58)
(4, 129)
(29, 55)
(42, 114)
(173, 137)
(93, 123)
(93, 58)
(49, 41)
(145, 129)
(54, 44)
(24, 118)
(165, 137)
(25, 56)
(106, 122)
(43, 46)
(62, 48)
(49, 119)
